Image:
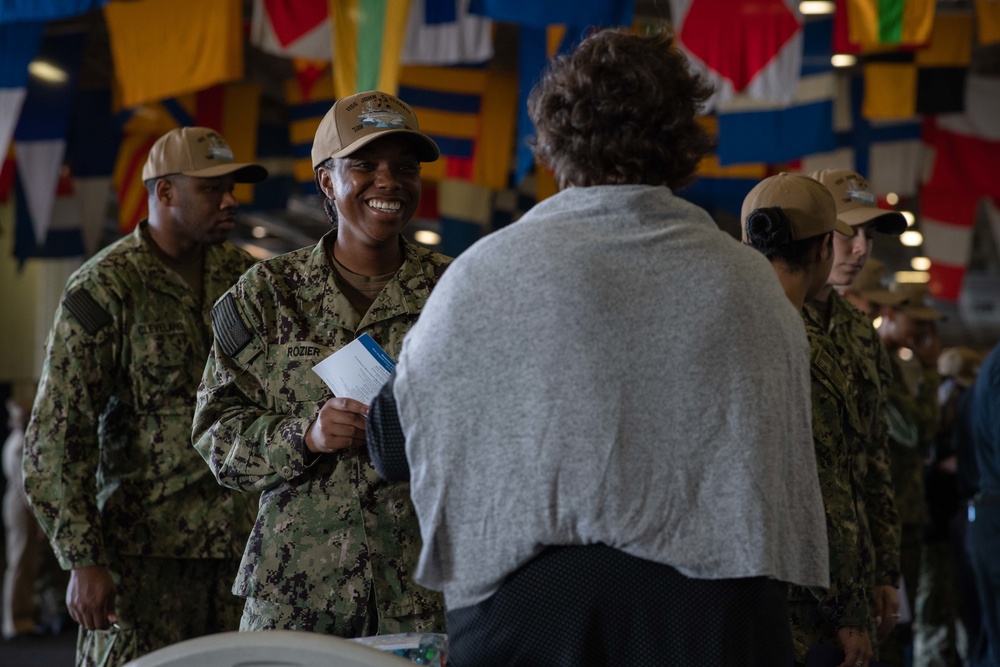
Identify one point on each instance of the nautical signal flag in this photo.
(966, 160)
(722, 187)
(166, 48)
(40, 135)
(19, 43)
(865, 26)
(753, 130)
(926, 81)
(367, 42)
(23, 11)
(751, 48)
(292, 28)
(443, 32)
(470, 113)
(988, 21)
(890, 153)
(306, 107)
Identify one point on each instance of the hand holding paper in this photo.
(340, 424)
(358, 370)
(355, 373)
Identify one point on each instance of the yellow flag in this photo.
(165, 48)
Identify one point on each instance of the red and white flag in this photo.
(748, 47)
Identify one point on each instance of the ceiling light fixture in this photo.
(816, 7)
(843, 60)
(911, 277)
(47, 71)
(427, 237)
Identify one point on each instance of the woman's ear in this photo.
(324, 182)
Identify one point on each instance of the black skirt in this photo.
(594, 605)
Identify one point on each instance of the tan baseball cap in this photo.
(807, 204)
(197, 151)
(856, 204)
(359, 119)
(960, 363)
(869, 283)
(914, 304)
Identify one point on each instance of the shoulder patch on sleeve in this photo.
(228, 326)
(84, 307)
(831, 369)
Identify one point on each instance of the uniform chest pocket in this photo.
(296, 389)
(165, 372)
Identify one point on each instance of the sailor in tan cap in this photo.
(869, 292)
(129, 508)
(790, 219)
(859, 346)
(304, 446)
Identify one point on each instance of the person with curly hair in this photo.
(603, 410)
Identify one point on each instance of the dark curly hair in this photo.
(620, 110)
(770, 232)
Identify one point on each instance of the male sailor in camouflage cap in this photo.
(149, 536)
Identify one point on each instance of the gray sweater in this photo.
(611, 368)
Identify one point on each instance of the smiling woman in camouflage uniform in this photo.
(333, 547)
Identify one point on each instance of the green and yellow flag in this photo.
(367, 41)
(890, 23)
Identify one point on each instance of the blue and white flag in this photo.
(18, 45)
(40, 135)
(755, 130)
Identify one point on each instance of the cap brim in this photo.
(843, 228)
(427, 149)
(924, 314)
(882, 297)
(244, 173)
(887, 222)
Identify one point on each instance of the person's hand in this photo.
(886, 610)
(948, 465)
(857, 646)
(340, 424)
(90, 597)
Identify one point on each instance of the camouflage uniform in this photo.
(108, 465)
(818, 614)
(331, 537)
(914, 416)
(858, 345)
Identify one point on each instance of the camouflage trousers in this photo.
(260, 614)
(162, 601)
(894, 649)
(934, 636)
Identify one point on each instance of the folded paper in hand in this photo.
(358, 370)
